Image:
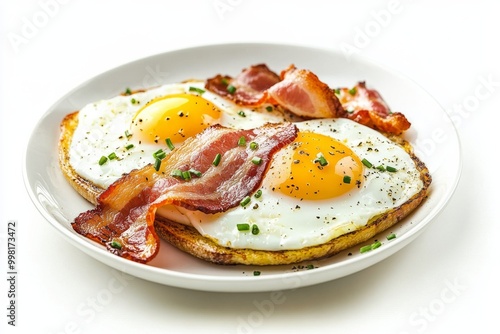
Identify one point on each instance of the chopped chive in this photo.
(257, 160)
(225, 82)
(217, 159)
(129, 146)
(255, 229)
(242, 141)
(254, 146)
(133, 101)
(157, 164)
(186, 175)
(245, 201)
(310, 266)
(103, 160)
(269, 108)
(128, 134)
(352, 91)
(112, 156)
(243, 227)
(256, 273)
(321, 159)
(258, 194)
(196, 89)
(347, 179)
(160, 154)
(391, 236)
(376, 245)
(128, 91)
(391, 169)
(195, 172)
(242, 113)
(367, 163)
(381, 168)
(365, 249)
(171, 146)
(176, 173)
(231, 89)
(115, 244)
(337, 91)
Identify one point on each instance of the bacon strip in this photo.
(367, 107)
(302, 93)
(250, 85)
(123, 219)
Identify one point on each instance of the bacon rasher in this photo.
(367, 107)
(301, 92)
(248, 88)
(188, 177)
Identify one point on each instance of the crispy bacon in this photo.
(301, 92)
(367, 107)
(124, 216)
(248, 88)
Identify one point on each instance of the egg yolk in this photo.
(175, 117)
(319, 167)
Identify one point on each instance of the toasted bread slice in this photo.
(188, 239)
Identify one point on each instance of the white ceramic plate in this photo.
(432, 134)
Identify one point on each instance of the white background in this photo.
(446, 280)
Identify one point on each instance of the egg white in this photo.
(288, 223)
(102, 128)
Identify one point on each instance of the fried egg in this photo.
(117, 135)
(334, 178)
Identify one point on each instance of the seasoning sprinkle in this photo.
(196, 89)
(169, 143)
(217, 158)
(365, 249)
(231, 89)
(255, 229)
(103, 160)
(257, 160)
(367, 163)
(321, 159)
(245, 201)
(391, 169)
(115, 244)
(243, 227)
(391, 236)
(157, 164)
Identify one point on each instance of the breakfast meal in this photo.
(256, 169)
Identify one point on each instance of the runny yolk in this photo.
(176, 117)
(319, 167)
